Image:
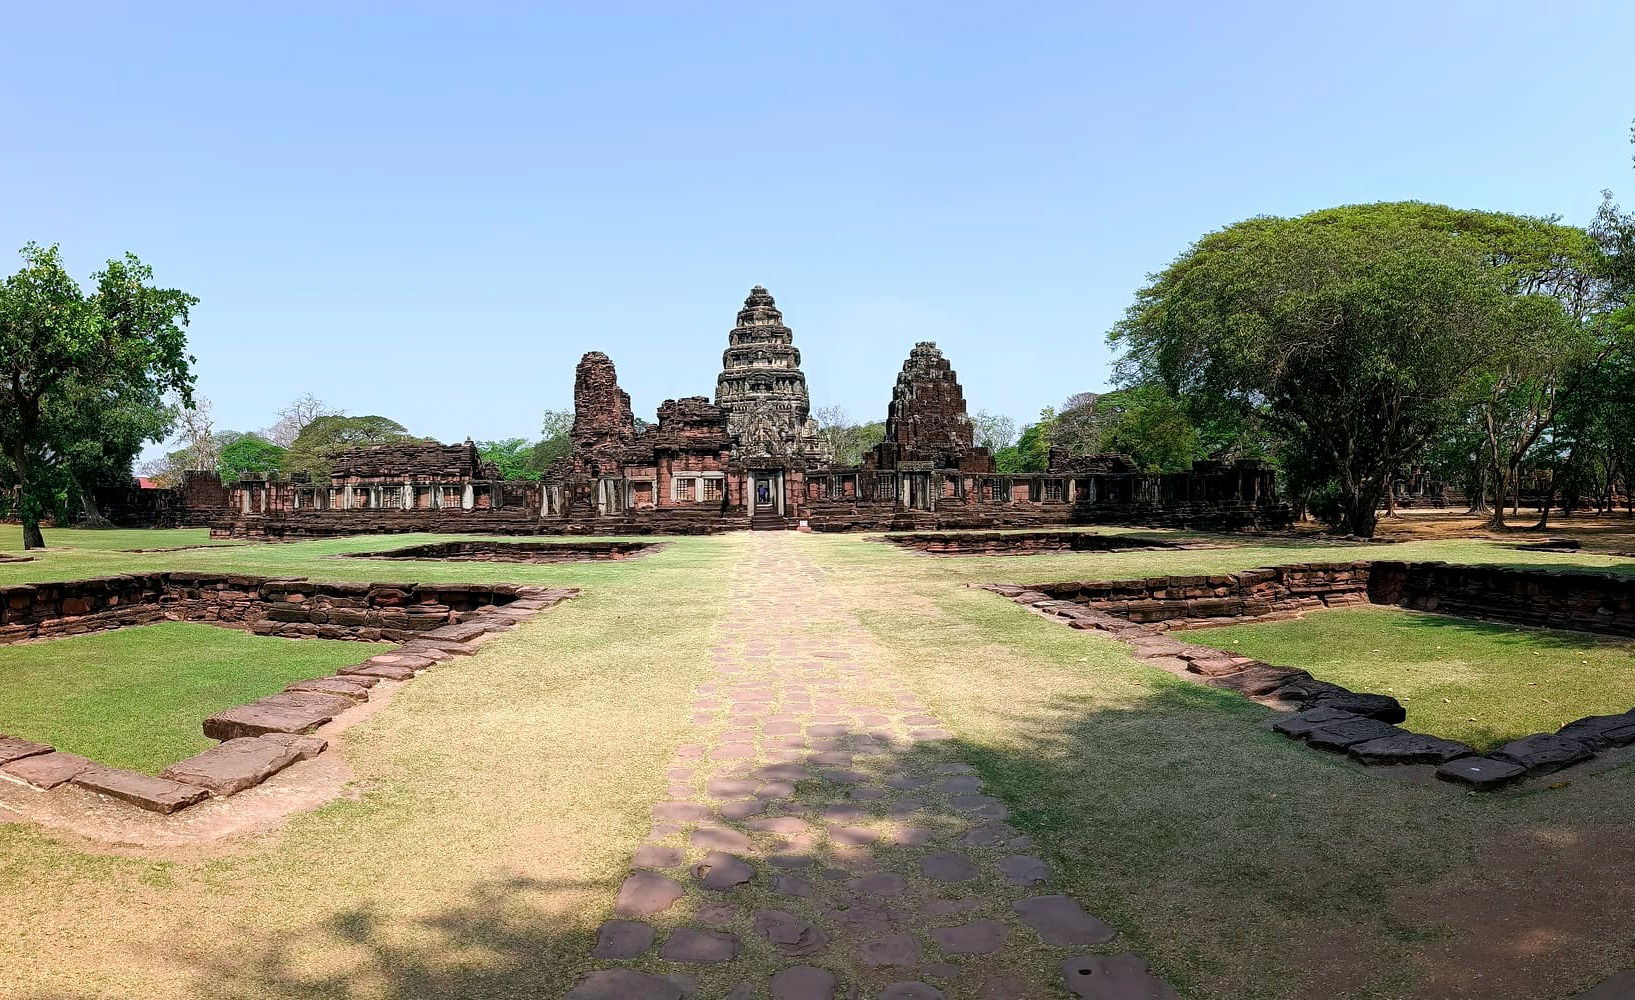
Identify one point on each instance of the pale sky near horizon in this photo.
(429, 211)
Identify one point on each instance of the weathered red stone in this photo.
(233, 766)
(13, 748)
(290, 712)
(159, 795)
(48, 770)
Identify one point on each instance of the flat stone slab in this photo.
(646, 893)
(1340, 736)
(1601, 731)
(1024, 870)
(387, 671)
(911, 991)
(1409, 748)
(699, 947)
(947, 866)
(339, 687)
(160, 795)
(50, 769)
(803, 982)
(1542, 753)
(1480, 772)
(722, 871)
(1114, 977)
(233, 766)
(1301, 724)
(305, 747)
(979, 937)
(1060, 921)
(1374, 706)
(791, 935)
(1259, 680)
(13, 748)
(622, 939)
(624, 984)
(290, 712)
(899, 950)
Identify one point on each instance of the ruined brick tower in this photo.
(603, 424)
(927, 423)
(763, 389)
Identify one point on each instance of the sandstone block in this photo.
(159, 795)
(233, 766)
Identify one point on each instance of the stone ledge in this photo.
(234, 765)
(160, 795)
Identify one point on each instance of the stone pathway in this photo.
(821, 839)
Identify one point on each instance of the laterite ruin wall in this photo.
(1576, 600)
(295, 608)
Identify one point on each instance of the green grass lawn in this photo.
(499, 797)
(1460, 679)
(136, 697)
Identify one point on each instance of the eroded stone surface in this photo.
(803, 982)
(144, 791)
(13, 748)
(624, 984)
(1113, 977)
(623, 939)
(646, 893)
(47, 771)
(1061, 921)
(699, 947)
(233, 766)
(722, 871)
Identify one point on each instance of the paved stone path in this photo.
(822, 836)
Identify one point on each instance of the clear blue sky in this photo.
(430, 211)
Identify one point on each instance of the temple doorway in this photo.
(766, 492)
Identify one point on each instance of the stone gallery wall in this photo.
(392, 612)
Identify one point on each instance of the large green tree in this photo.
(1355, 333)
(315, 446)
(248, 453)
(71, 361)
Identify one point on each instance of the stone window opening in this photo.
(996, 490)
(712, 490)
(681, 489)
(1054, 491)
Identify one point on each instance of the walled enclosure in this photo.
(750, 457)
(432, 623)
(1330, 717)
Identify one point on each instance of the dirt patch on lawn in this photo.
(1543, 911)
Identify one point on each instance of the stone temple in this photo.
(750, 458)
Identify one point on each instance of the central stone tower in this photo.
(763, 389)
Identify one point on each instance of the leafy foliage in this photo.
(249, 453)
(1356, 332)
(72, 362)
(316, 445)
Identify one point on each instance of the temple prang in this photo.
(751, 457)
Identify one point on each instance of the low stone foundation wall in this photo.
(1328, 716)
(855, 515)
(435, 624)
(515, 552)
(1584, 601)
(995, 543)
(373, 612)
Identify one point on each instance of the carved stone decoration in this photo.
(763, 390)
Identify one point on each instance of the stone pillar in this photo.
(469, 499)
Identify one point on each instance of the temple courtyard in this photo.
(775, 764)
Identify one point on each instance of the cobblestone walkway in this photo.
(822, 840)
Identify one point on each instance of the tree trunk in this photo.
(1478, 493)
(1361, 514)
(1501, 495)
(29, 504)
(88, 508)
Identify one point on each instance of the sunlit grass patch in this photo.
(1478, 682)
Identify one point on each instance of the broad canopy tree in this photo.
(72, 363)
(1355, 333)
